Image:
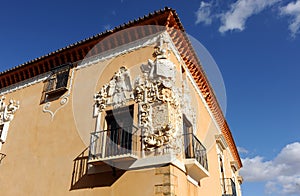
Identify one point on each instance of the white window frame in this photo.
(4, 132)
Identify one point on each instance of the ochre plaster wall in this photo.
(40, 150)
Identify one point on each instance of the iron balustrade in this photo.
(194, 149)
(228, 186)
(115, 142)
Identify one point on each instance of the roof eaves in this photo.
(94, 37)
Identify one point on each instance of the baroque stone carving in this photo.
(154, 91)
(162, 68)
(160, 137)
(116, 92)
(160, 115)
(151, 91)
(144, 115)
(7, 111)
(101, 98)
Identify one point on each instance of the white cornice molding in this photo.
(146, 41)
(24, 84)
(240, 179)
(221, 141)
(234, 165)
(140, 43)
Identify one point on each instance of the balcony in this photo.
(228, 186)
(195, 157)
(118, 147)
(2, 156)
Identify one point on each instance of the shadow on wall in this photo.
(86, 176)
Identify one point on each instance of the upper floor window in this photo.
(119, 130)
(57, 84)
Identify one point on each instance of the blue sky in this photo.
(255, 43)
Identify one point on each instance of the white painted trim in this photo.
(191, 180)
(189, 75)
(137, 44)
(4, 133)
(221, 141)
(3, 136)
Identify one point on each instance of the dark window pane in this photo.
(50, 85)
(62, 79)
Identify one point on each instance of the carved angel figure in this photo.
(119, 84)
(7, 111)
(116, 91)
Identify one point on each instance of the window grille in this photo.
(57, 84)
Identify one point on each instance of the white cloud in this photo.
(240, 11)
(203, 14)
(242, 150)
(293, 9)
(236, 15)
(281, 174)
(256, 169)
(289, 184)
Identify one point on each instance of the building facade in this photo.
(125, 112)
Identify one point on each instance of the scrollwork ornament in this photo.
(145, 113)
(63, 102)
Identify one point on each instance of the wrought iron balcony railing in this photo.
(2, 156)
(195, 149)
(228, 186)
(115, 142)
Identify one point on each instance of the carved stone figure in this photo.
(116, 92)
(162, 69)
(7, 111)
(118, 85)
